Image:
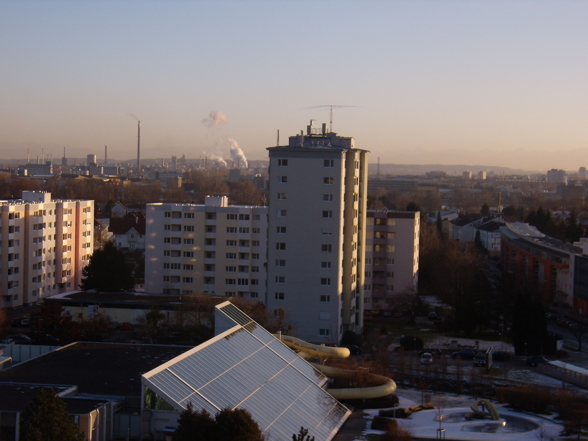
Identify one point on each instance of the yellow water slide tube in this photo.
(382, 386)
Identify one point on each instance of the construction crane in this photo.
(331, 106)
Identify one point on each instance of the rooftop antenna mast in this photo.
(331, 106)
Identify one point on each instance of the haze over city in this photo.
(494, 83)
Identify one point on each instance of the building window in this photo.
(255, 230)
(188, 215)
(243, 217)
(254, 269)
(282, 162)
(325, 281)
(231, 255)
(188, 253)
(254, 295)
(324, 332)
(325, 265)
(231, 243)
(255, 281)
(283, 179)
(244, 256)
(231, 216)
(282, 213)
(243, 281)
(230, 269)
(230, 282)
(279, 295)
(280, 262)
(280, 245)
(256, 217)
(188, 267)
(243, 269)
(327, 213)
(281, 195)
(329, 163)
(389, 262)
(231, 229)
(210, 216)
(328, 180)
(325, 298)
(188, 228)
(188, 280)
(281, 230)
(328, 197)
(326, 248)
(244, 243)
(188, 241)
(244, 230)
(255, 256)
(280, 279)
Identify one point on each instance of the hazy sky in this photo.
(472, 82)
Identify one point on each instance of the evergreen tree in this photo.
(107, 271)
(529, 325)
(228, 425)
(413, 206)
(46, 419)
(302, 435)
(485, 211)
(439, 224)
(194, 426)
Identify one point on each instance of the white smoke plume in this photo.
(237, 155)
(215, 118)
(216, 157)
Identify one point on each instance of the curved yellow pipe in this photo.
(317, 350)
(384, 385)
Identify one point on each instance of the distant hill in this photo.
(451, 170)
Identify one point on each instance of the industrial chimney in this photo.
(139, 148)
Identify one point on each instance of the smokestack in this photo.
(106, 154)
(139, 148)
(29, 156)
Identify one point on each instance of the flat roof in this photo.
(95, 368)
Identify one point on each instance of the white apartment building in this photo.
(213, 248)
(45, 245)
(316, 239)
(391, 257)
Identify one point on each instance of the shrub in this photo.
(525, 398)
(385, 424)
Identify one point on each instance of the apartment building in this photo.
(212, 248)
(45, 245)
(316, 238)
(391, 256)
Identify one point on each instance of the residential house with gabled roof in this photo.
(129, 231)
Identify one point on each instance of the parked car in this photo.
(480, 361)
(436, 353)
(426, 358)
(387, 313)
(125, 326)
(534, 361)
(464, 354)
(564, 323)
(354, 349)
(19, 339)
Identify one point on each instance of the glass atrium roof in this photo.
(248, 368)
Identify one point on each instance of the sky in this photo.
(497, 83)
